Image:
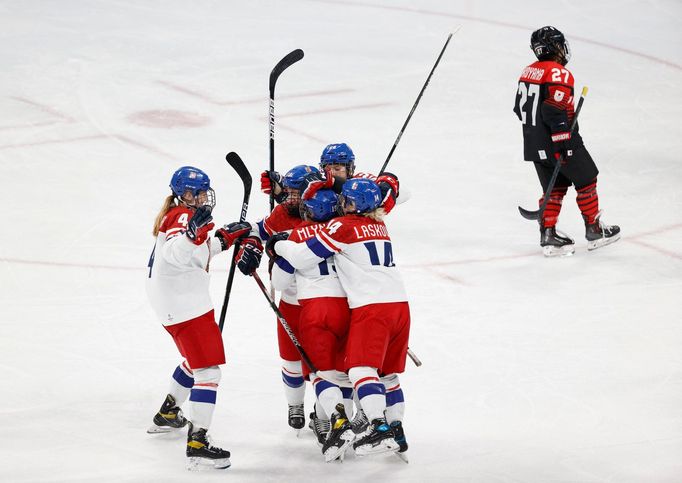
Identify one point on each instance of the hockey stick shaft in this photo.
(284, 323)
(537, 215)
(287, 61)
(237, 164)
(416, 103)
(414, 357)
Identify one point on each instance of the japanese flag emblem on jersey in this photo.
(558, 95)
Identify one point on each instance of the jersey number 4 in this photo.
(526, 91)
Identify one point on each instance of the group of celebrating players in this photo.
(342, 296)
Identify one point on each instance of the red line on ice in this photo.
(254, 100)
(335, 109)
(504, 24)
(44, 108)
(52, 141)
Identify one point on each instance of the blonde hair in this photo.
(376, 215)
(167, 205)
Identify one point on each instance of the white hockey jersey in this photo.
(320, 280)
(278, 221)
(362, 254)
(178, 279)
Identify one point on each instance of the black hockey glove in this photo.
(199, 225)
(249, 255)
(270, 245)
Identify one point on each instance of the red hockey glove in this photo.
(269, 181)
(199, 225)
(249, 255)
(389, 185)
(270, 245)
(228, 234)
(314, 183)
(391, 180)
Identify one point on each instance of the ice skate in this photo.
(599, 234)
(296, 417)
(320, 427)
(359, 422)
(555, 244)
(399, 436)
(169, 417)
(340, 436)
(201, 452)
(378, 438)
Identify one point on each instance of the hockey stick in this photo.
(537, 215)
(414, 357)
(237, 164)
(284, 323)
(414, 107)
(287, 61)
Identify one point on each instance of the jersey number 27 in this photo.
(525, 92)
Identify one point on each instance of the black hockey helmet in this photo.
(548, 43)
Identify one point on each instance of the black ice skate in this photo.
(359, 422)
(340, 436)
(399, 436)
(378, 438)
(320, 427)
(200, 451)
(555, 244)
(168, 418)
(599, 234)
(296, 416)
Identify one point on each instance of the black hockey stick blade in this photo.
(530, 215)
(287, 61)
(238, 165)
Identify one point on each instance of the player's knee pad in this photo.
(336, 377)
(357, 374)
(390, 380)
(207, 375)
(292, 367)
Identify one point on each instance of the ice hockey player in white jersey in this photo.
(323, 322)
(178, 289)
(380, 318)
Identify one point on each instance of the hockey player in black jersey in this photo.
(544, 105)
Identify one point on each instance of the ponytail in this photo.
(376, 215)
(167, 205)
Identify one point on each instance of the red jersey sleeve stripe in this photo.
(327, 240)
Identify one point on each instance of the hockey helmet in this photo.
(194, 180)
(364, 193)
(339, 153)
(549, 43)
(322, 206)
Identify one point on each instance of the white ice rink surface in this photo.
(535, 370)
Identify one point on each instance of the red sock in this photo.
(551, 213)
(588, 201)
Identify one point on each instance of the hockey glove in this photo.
(313, 183)
(249, 255)
(199, 225)
(269, 181)
(270, 245)
(229, 233)
(389, 185)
